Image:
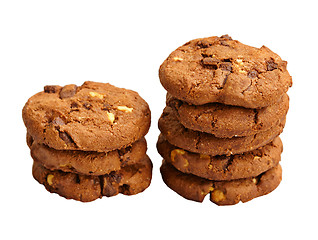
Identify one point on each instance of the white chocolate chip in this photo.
(110, 116)
(124, 108)
(49, 179)
(95, 94)
(178, 59)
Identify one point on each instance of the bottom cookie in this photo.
(130, 180)
(221, 192)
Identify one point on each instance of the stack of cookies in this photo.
(226, 106)
(88, 141)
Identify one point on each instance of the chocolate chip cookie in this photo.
(219, 69)
(92, 117)
(221, 192)
(226, 121)
(131, 179)
(88, 163)
(222, 167)
(204, 143)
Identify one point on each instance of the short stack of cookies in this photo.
(88, 141)
(226, 107)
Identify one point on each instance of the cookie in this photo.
(204, 143)
(88, 163)
(226, 121)
(221, 192)
(219, 69)
(92, 117)
(129, 180)
(222, 167)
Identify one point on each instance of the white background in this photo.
(124, 43)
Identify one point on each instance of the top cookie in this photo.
(219, 69)
(92, 117)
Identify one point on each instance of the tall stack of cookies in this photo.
(226, 106)
(88, 141)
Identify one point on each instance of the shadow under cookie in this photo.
(221, 192)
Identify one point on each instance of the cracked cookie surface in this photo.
(129, 180)
(205, 143)
(219, 69)
(87, 162)
(222, 167)
(226, 121)
(221, 192)
(92, 117)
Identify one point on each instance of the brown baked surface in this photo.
(226, 121)
(88, 162)
(221, 192)
(219, 69)
(92, 117)
(222, 167)
(204, 143)
(130, 180)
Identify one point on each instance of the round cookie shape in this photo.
(225, 121)
(129, 180)
(221, 192)
(92, 117)
(222, 167)
(86, 162)
(219, 69)
(204, 143)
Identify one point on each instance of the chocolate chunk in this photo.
(51, 88)
(125, 189)
(87, 105)
(68, 91)
(66, 138)
(114, 177)
(106, 107)
(210, 62)
(226, 37)
(74, 105)
(203, 44)
(227, 66)
(58, 121)
(271, 65)
(224, 43)
(123, 151)
(252, 74)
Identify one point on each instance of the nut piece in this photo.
(186, 163)
(124, 108)
(49, 179)
(209, 190)
(65, 165)
(178, 59)
(175, 152)
(95, 94)
(242, 71)
(110, 116)
(217, 196)
(256, 158)
(239, 62)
